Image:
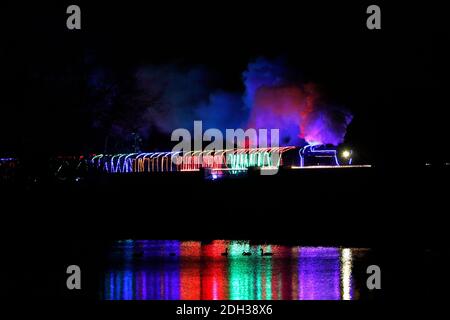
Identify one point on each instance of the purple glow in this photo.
(319, 274)
(296, 108)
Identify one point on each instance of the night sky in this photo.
(393, 80)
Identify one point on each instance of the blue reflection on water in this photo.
(137, 281)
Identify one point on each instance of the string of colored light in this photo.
(236, 159)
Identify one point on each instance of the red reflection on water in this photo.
(190, 271)
(214, 271)
(203, 271)
(286, 277)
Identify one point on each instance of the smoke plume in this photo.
(166, 97)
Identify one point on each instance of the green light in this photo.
(245, 160)
(259, 278)
(241, 273)
(268, 274)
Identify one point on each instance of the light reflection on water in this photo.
(191, 270)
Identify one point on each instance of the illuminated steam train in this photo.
(220, 160)
(215, 162)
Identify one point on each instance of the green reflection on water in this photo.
(268, 276)
(247, 281)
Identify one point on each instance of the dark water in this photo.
(192, 270)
